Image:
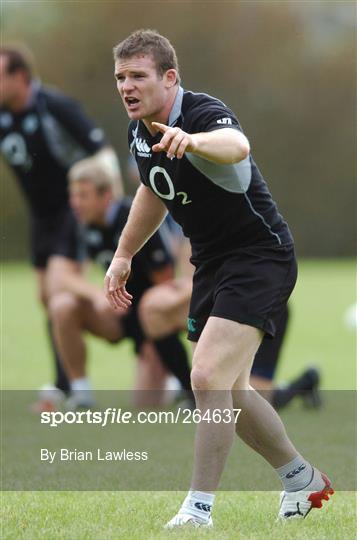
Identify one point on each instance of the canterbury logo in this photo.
(204, 507)
(227, 121)
(295, 471)
(191, 324)
(142, 147)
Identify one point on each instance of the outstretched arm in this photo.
(221, 146)
(146, 214)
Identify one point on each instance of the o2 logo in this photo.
(171, 194)
(14, 149)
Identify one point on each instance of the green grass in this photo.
(139, 516)
(317, 335)
(25, 349)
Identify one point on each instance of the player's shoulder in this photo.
(204, 112)
(55, 99)
(199, 100)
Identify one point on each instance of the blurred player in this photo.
(42, 134)
(195, 162)
(82, 306)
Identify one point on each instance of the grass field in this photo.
(318, 335)
(139, 516)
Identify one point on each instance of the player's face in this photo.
(88, 204)
(9, 83)
(143, 91)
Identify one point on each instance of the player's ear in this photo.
(171, 77)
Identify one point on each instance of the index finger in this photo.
(106, 284)
(160, 127)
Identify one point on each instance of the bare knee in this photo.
(64, 307)
(203, 377)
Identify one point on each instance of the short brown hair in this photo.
(19, 59)
(149, 42)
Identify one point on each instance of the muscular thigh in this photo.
(164, 308)
(226, 349)
(102, 321)
(57, 269)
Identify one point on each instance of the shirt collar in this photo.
(176, 108)
(35, 88)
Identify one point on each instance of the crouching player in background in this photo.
(82, 306)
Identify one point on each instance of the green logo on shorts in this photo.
(191, 324)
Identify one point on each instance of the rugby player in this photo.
(195, 162)
(82, 305)
(42, 134)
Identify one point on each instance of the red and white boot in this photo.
(297, 504)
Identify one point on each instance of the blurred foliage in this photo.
(287, 68)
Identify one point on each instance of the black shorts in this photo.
(267, 357)
(132, 328)
(55, 235)
(250, 286)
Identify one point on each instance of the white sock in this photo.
(81, 384)
(198, 504)
(298, 475)
(81, 390)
